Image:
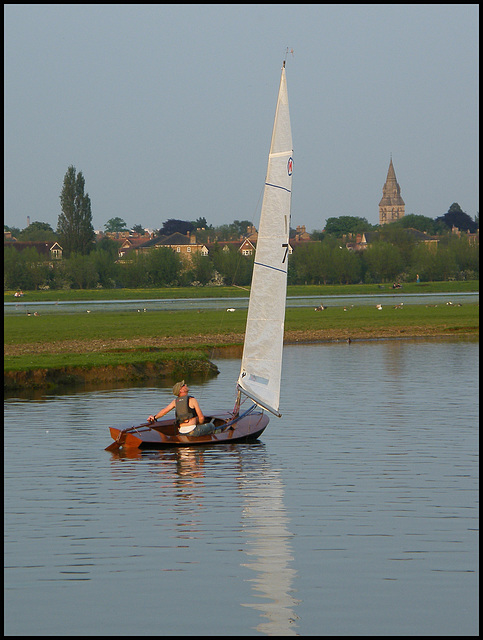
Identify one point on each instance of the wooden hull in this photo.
(164, 433)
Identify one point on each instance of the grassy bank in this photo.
(56, 371)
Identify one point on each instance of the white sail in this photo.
(261, 365)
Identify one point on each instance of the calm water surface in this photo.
(355, 514)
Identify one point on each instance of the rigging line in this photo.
(238, 287)
(258, 201)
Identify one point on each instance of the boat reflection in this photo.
(264, 521)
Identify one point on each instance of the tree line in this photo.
(392, 255)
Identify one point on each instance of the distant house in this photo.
(185, 245)
(473, 238)
(365, 239)
(245, 246)
(301, 234)
(129, 243)
(48, 250)
(252, 233)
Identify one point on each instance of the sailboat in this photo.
(261, 366)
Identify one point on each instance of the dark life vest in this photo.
(183, 410)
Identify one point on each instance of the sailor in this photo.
(189, 417)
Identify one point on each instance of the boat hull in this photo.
(164, 433)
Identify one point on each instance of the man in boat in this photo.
(189, 416)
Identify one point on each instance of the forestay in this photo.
(261, 365)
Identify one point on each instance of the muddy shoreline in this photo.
(224, 339)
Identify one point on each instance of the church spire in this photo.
(391, 206)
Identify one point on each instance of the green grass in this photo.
(122, 325)
(232, 292)
(369, 319)
(106, 325)
(102, 359)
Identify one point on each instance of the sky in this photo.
(168, 109)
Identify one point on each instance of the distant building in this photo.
(185, 245)
(301, 234)
(391, 207)
(47, 250)
(245, 246)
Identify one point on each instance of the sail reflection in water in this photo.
(265, 523)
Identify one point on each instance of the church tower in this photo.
(391, 207)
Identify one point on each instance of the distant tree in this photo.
(241, 227)
(346, 264)
(15, 271)
(37, 231)
(233, 267)
(202, 268)
(163, 266)
(416, 221)
(382, 261)
(424, 262)
(114, 225)
(175, 226)
(38, 268)
(134, 273)
(464, 255)
(233, 231)
(109, 245)
(200, 223)
(138, 228)
(317, 234)
(346, 224)
(455, 216)
(399, 236)
(15, 231)
(225, 232)
(74, 225)
(81, 271)
(312, 263)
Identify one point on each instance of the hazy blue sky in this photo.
(168, 109)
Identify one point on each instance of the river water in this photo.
(355, 514)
